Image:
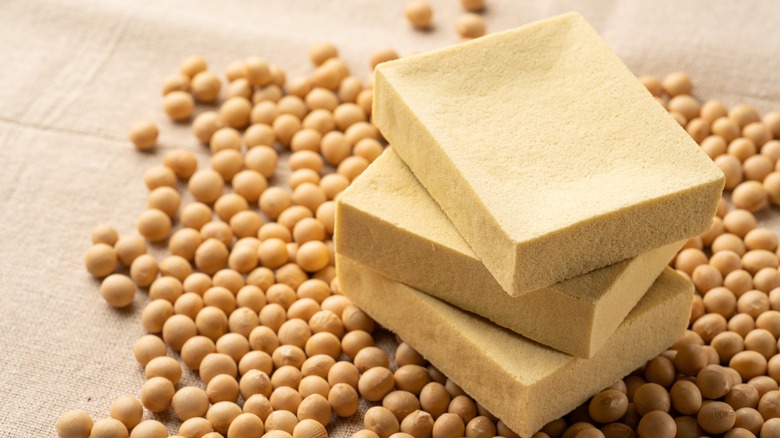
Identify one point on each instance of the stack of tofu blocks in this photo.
(518, 229)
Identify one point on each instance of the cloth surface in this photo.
(76, 74)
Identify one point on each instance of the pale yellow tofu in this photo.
(546, 153)
(387, 221)
(521, 382)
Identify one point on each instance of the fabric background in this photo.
(75, 75)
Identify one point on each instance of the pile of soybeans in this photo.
(249, 299)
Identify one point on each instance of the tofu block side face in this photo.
(512, 376)
(388, 191)
(545, 132)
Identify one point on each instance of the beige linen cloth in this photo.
(74, 76)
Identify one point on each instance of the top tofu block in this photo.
(549, 157)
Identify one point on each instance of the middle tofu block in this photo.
(387, 220)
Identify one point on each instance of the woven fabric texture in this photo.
(76, 74)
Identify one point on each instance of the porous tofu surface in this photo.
(547, 154)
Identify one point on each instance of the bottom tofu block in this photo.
(387, 220)
(520, 381)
